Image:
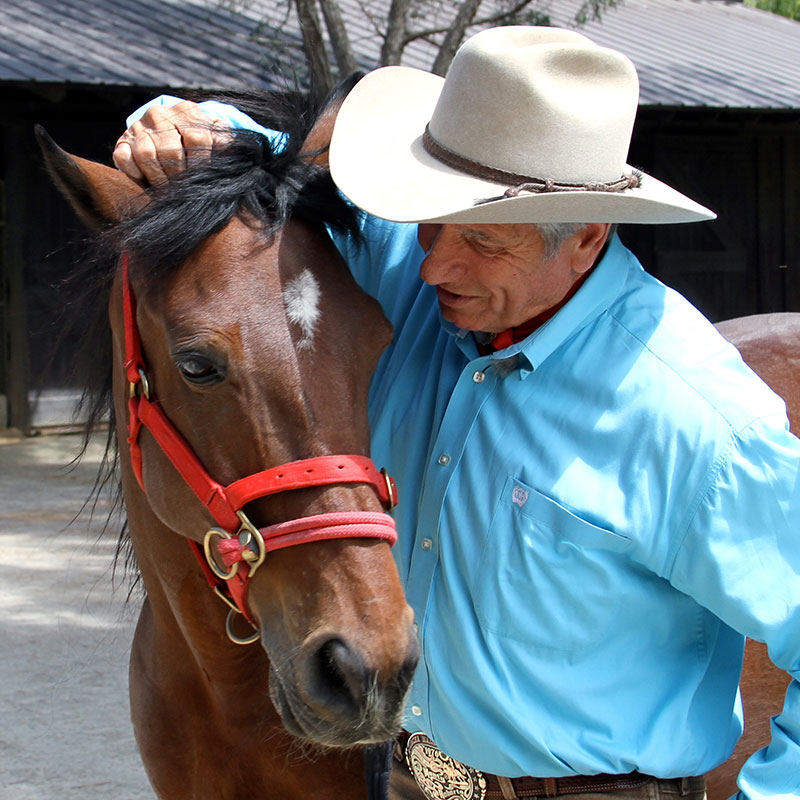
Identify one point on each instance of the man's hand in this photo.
(166, 140)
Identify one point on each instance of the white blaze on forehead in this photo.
(301, 298)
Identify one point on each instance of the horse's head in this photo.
(260, 349)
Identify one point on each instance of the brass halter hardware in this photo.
(247, 535)
(254, 637)
(389, 487)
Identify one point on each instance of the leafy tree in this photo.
(786, 8)
(396, 24)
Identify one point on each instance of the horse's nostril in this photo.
(335, 676)
(344, 668)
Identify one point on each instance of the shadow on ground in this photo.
(65, 632)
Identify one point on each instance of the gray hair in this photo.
(554, 234)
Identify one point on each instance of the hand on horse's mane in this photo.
(166, 140)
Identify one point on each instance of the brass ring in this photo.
(389, 488)
(145, 384)
(255, 533)
(233, 637)
(212, 563)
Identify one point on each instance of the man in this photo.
(600, 499)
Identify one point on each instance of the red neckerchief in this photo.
(516, 334)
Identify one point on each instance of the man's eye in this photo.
(198, 370)
(484, 246)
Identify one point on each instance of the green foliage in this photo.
(786, 8)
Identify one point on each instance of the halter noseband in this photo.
(240, 546)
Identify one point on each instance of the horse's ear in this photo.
(99, 194)
(315, 147)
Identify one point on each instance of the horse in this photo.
(770, 345)
(234, 360)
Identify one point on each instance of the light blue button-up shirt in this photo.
(590, 520)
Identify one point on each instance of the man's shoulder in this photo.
(697, 371)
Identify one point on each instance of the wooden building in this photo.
(719, 119)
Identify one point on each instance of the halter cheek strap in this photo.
(232, 552)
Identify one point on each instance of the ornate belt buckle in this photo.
(440, 777)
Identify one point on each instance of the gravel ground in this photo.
(65, 631)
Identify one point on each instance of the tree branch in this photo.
(464, 16)
(340, 42)
(500, 16)
(395, 40)
(503, 16)
(320, 71)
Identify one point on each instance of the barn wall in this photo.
(40, 238)
(746, 167)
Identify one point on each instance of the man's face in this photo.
(493, 277)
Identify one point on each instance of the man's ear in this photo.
(100, 195)
(587, 245)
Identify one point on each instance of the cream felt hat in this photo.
(532, 124)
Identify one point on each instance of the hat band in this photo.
(520, 183)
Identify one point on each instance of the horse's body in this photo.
(770, 344)
(259, 350)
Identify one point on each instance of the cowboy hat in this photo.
(532, 124)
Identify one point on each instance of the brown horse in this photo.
(770, 344)
(259, 348)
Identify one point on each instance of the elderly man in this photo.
(601, 500)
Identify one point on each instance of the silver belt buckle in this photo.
(440, 777)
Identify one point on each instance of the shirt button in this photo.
(416, 627)
(444, 459)
(416, 711)
(427, 544)
(478, 376)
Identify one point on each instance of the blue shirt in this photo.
(590, 521)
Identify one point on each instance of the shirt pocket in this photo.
(547, 577)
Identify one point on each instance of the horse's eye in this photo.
(198, 370)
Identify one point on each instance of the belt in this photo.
(439, 776)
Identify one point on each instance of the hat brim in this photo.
(377, 160)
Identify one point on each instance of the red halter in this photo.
(236, 540)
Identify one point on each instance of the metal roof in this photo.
(709, 53)
(704, 52)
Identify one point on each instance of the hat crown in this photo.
(542, 102)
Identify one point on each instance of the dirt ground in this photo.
(65, 632)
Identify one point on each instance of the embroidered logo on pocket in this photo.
(520, 496)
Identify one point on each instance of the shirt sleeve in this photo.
(226, 112)
(740, 558)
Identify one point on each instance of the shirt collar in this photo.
(593, 298)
